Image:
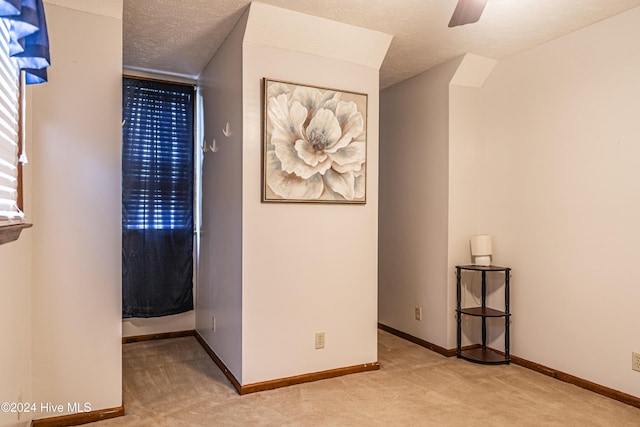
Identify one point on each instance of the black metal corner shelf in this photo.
(480, 353)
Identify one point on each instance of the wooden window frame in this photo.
(10, 233)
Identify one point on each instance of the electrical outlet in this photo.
(213, 323)
(319, 340)
(635, 361)
(418, 312)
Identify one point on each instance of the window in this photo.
(24, 46)
(9, 138)
(157, 198)
(158, 155)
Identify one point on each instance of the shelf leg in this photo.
(484, 305)
(458, 314)
(507, 318)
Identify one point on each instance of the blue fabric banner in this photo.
(29, 45)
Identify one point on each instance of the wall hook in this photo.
(227, 131)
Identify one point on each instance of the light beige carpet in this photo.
(175, 383)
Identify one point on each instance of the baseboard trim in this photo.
(212, 354)
(422, 343)
(568, 378)
(571, 379)
(306, 378)
(282, 382)
(78, 419)
(158, 336)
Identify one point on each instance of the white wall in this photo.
(465, 188)
(414, 214)
(137, 326)
(306, 268)
(76, 167)
(219, 289)
(544, 157)
(275, 274)
(562, 166)
(15, 324)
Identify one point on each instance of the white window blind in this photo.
(9, 141)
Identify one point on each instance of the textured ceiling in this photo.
(180, 37)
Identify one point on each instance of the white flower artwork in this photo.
(315, 144)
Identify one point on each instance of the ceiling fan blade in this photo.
(467, 12)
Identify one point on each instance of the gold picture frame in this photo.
(314, 144)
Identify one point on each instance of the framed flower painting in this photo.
(314, 145)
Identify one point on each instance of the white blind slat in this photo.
(9, 98)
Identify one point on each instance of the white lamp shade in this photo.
(481, 245)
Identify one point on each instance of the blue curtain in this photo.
(29, 45)
(157, 198)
